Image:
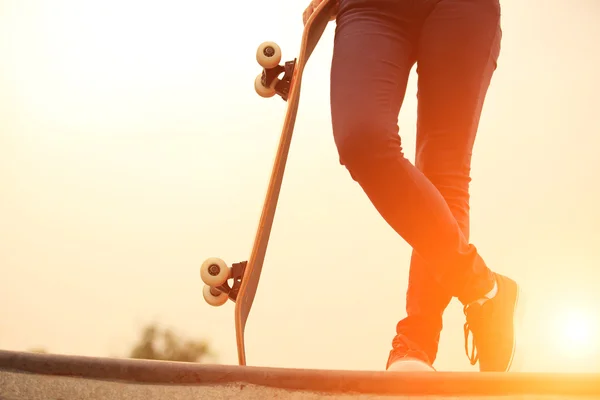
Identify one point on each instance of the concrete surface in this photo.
(30, 376)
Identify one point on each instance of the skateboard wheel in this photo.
(268, 55)
(213, 296)
(214, 272)
(262, 90)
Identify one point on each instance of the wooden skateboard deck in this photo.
(246, 275)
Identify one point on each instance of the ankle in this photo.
(489, 295)
(480, 292)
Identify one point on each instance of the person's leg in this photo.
(456, 60)
(371, 62)
(374, 51)
(457, 55)
(426, 301)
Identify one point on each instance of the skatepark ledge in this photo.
(32, 376)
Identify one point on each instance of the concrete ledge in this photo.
(81, 377)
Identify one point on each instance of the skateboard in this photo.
(214, 272)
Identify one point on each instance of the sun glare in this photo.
(577, 329)
(576, 334)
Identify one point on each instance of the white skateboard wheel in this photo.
(268, 55)
(214, 272)
(262, 90)
(212, 298)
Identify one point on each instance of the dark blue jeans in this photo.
(455, 45)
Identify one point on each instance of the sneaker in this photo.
(406, 356)
(492, 324)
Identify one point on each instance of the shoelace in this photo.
(473, 321)
(474, 356)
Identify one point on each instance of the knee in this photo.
(363, 142)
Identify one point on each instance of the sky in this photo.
(133, 147)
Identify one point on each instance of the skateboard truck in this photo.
(267, 83)
(237, 272)
(282, 86)
(215, 273)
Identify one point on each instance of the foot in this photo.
(491, 322)
(406, 356)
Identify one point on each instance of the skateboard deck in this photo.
(246, 275)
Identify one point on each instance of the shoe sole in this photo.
(410, 365)
(518, 319)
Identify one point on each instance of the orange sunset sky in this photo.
(133, 146)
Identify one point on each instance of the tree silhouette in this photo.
(163, 344)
